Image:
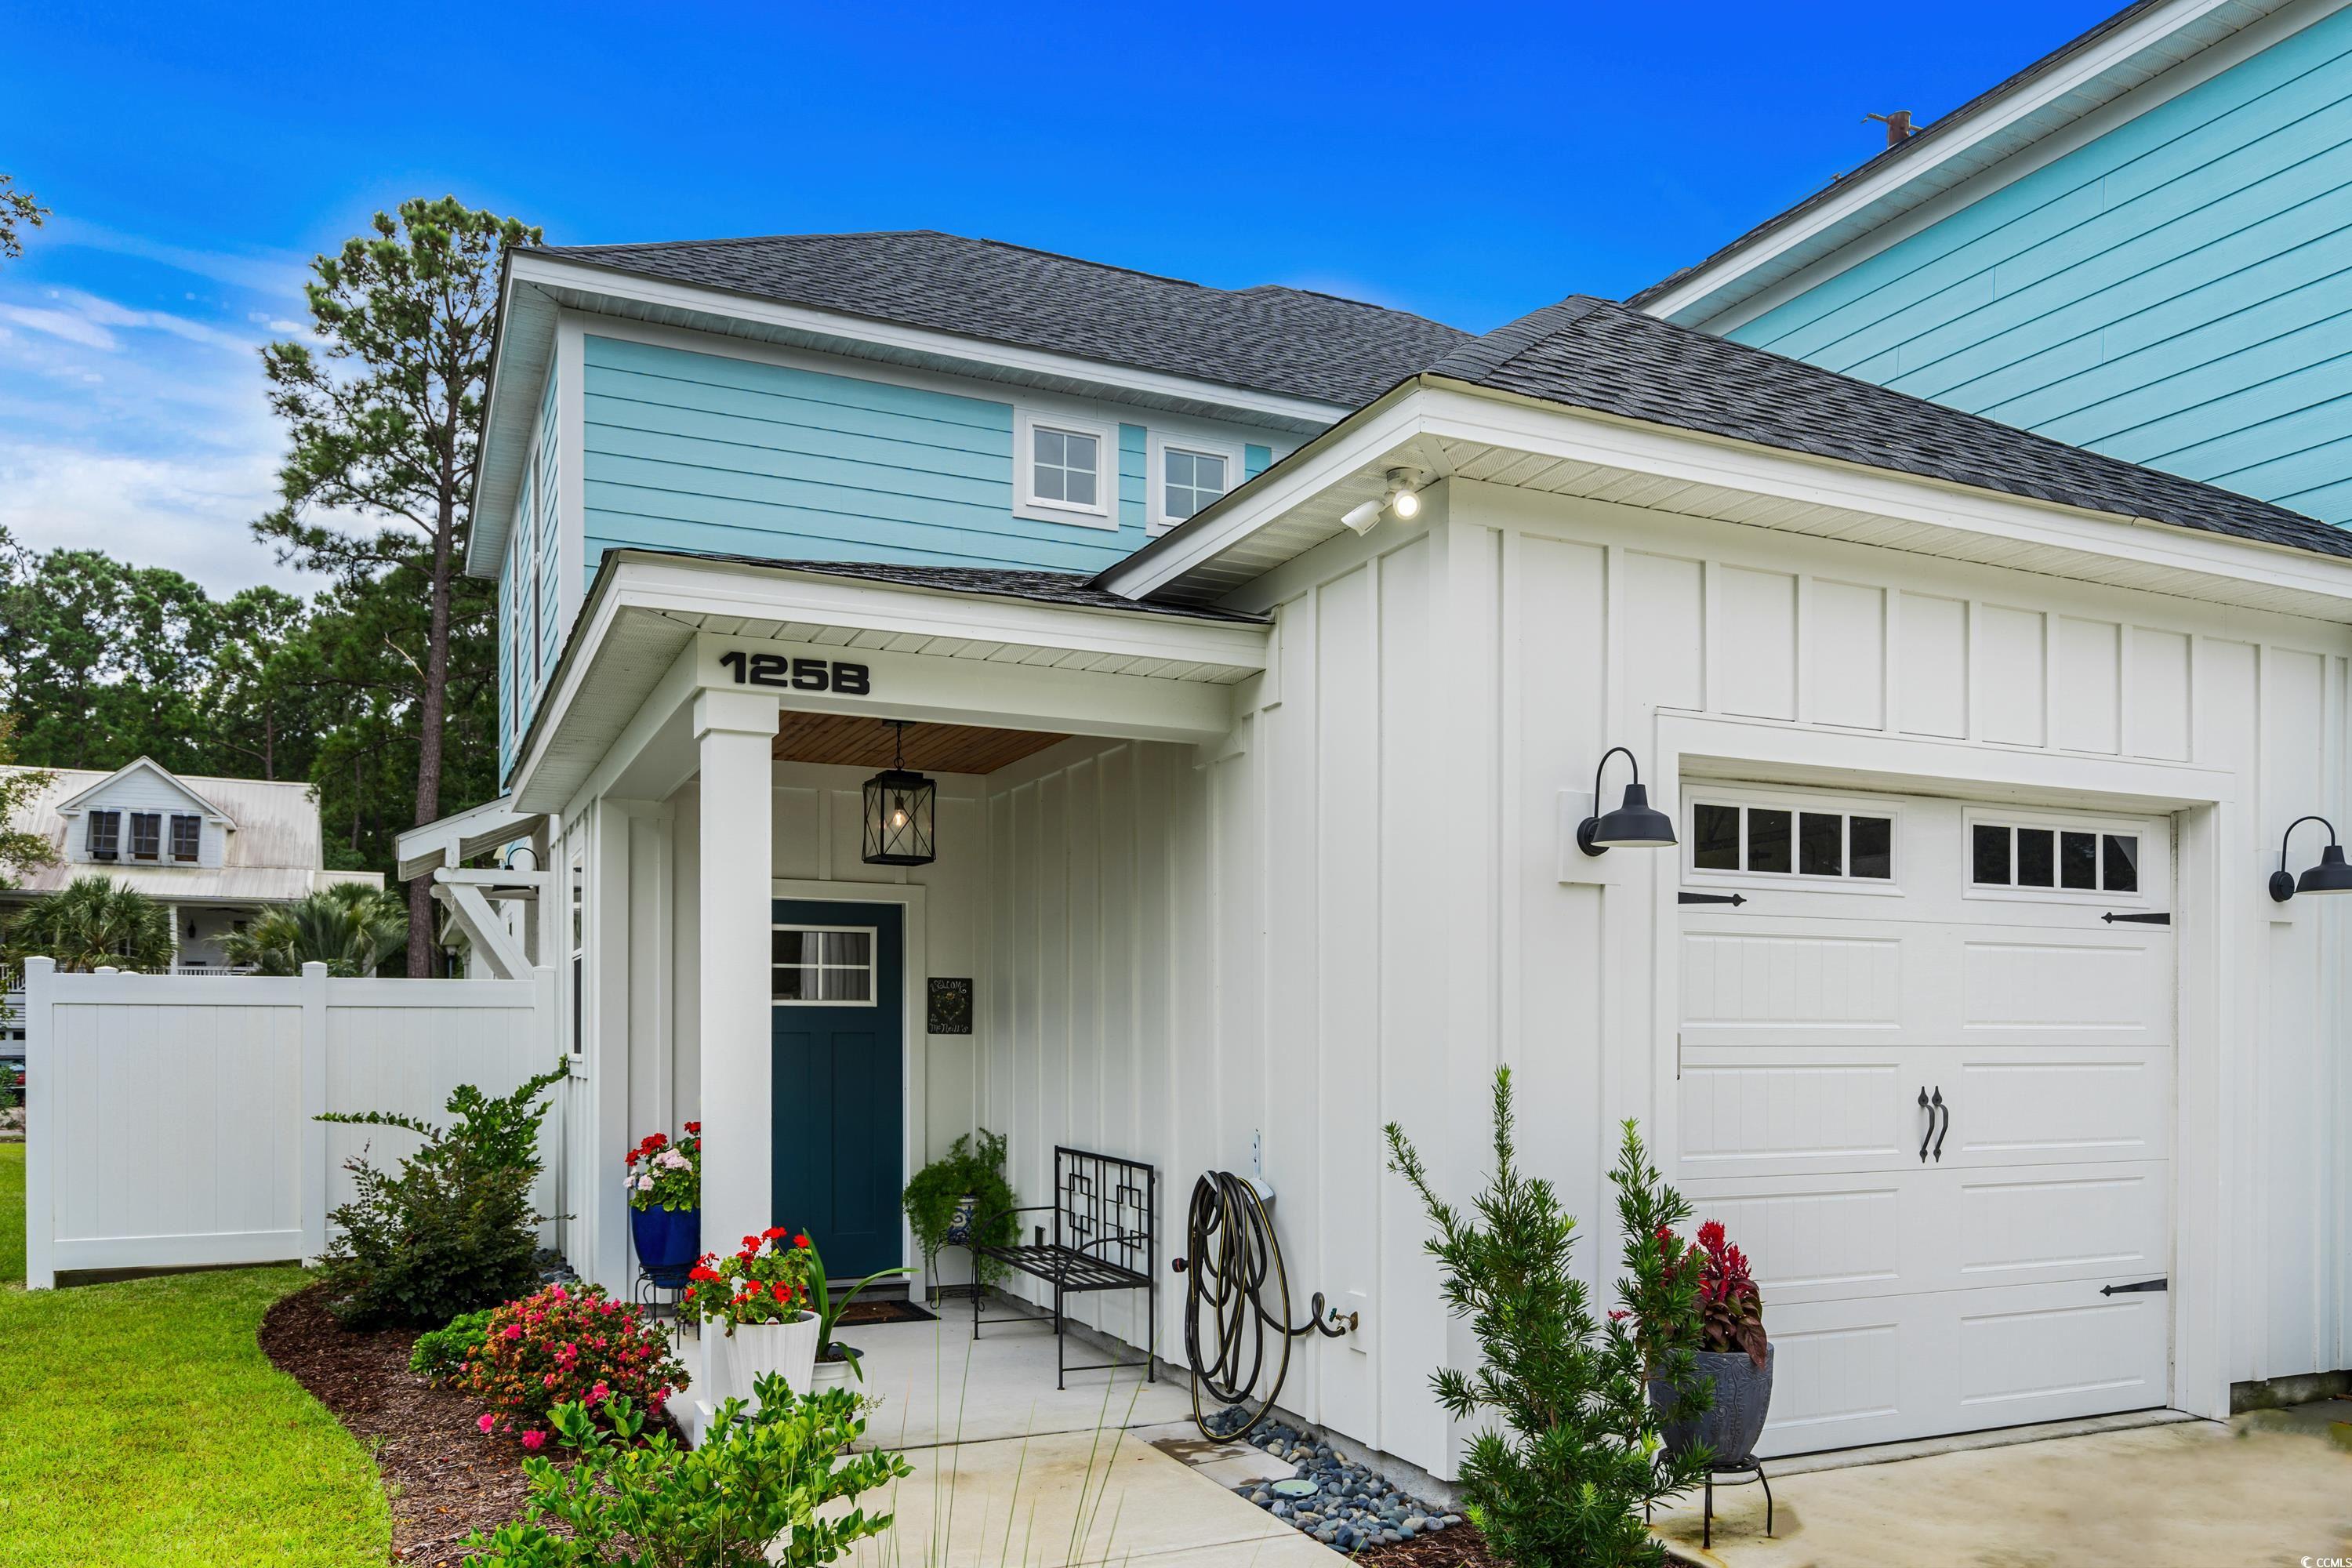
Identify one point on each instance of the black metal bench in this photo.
(1104, 1238)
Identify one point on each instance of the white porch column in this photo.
(735, 735)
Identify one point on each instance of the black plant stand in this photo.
(1750, 1473)
(661, 1301)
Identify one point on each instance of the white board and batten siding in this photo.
(1390, 916)
(170, 1119)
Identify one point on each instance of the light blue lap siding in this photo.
(705, 452)
(2178, 293)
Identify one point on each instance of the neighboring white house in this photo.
(215, 851)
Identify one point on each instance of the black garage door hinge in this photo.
(2136, 1285)
(1732, 898)
(2163, 918)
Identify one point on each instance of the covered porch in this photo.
(730, 955)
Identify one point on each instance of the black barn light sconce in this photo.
(901, 809)
(2332, 875)
(1634, 825)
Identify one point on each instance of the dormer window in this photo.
(187, 836)
(1063, 469)
(105, 834)
(146, 834)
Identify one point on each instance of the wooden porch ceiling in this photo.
(929, 748)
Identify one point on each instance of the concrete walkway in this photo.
(1010, 1472)
(2272, 1487)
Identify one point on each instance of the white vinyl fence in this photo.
(169, 1117)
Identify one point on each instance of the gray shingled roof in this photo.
(1266, 339)
(1609, 358)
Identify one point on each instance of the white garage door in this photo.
(1952, 1264)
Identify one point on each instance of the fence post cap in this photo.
(41, 961)
(314, 970)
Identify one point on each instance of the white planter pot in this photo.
(754, 1349)
(839, 1373)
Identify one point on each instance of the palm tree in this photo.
(351, 928)
(91, 922)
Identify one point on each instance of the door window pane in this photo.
(1768, 840)
(1821, 845)
(1715, 832)
(2037, 855)
(2078, 861)
(811, 965)
(1872, 842)
(2120, 862)
(1991, 856)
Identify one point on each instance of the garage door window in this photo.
(1785, 841)
(2063, 859)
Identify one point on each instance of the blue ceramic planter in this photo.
(668, 1241)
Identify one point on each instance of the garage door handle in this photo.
(1930, 1133)
(1947, 1123)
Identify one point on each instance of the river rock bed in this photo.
(1354, 1506)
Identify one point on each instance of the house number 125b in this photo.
(798, 674)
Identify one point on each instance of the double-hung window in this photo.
(1064, 469)
(146, 834)
(105, 834)
(187, 836)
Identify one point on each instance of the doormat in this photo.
(886, 1312)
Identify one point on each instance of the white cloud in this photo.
(71, 325)
(188, 513)
(274, 272)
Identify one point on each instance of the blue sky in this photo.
(1470, 162)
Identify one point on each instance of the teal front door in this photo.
(839, 1012)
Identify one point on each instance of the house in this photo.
(2137, 245)
(217, 852)
(1266, 658)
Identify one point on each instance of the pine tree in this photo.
(385, 422)
(1563, 1479)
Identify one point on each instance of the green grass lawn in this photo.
(141, 1426)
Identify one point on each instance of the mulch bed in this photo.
(444, 1479)
(1460, 1547)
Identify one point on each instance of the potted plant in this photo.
(759, 1294)
(836, 1362)
(1734, 1360)
(964, 1188)
(664, 1184)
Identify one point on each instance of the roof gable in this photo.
(137, 767)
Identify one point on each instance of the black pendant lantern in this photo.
(900, 809)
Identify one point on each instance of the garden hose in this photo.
(1231, 1257)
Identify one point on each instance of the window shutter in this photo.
(187, 836)
(105, 834)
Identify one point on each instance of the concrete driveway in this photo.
(2271, 1487)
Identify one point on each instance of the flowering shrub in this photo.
(766, 1280)
(1730, 1308)
(566, 1342)
(663, 1175)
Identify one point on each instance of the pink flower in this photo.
(488, 1421)
(534, 1441)
(601, 1392)
(548, 1381)
(514, 1331)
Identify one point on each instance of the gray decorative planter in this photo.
(1743, 1393)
